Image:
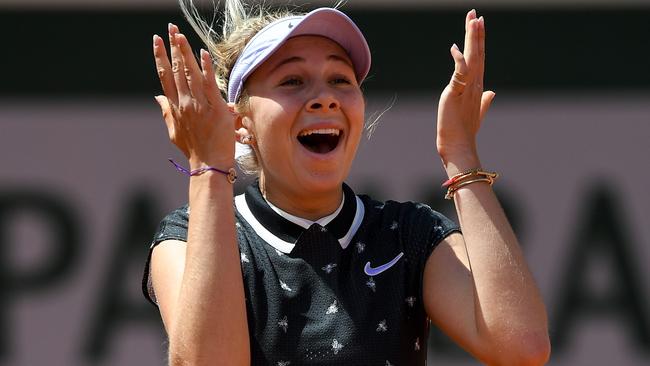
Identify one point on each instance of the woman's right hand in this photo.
(198, 120)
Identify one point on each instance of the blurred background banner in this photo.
(152, 4)
(85, 178)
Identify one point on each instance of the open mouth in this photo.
(320, 141)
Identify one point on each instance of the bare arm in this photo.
(479, 290)
(199, 285)
(477, 286)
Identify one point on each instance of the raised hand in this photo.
(463, 102)
(198, 120)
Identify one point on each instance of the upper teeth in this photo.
(322, 131)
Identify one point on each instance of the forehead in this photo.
(306, 47)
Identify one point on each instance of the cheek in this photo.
(272, 129)
(356, 112)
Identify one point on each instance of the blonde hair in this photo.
(239, 24)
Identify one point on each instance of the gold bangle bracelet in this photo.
(461, 184)
(457, 178)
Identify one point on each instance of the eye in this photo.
(292, 81)
(340, 80)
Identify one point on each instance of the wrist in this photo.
(217, 162)
(231, 173)
(458, 163)
(209, 186)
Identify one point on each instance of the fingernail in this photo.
(473, 12)
(172, 36)
(170, 27)
(157, 98)
(155, 39)
(480, 19)
(454, 46)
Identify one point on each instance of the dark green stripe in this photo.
(74, 53)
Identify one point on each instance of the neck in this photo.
(304, 204)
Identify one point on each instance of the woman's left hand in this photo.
(463, 103)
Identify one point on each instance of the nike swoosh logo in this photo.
(377, 270)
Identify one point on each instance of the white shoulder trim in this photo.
(267, 236)
(356, 223)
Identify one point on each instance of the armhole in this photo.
(172, 227)
(438, 232)
(147, 284)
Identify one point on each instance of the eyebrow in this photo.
(331, 57)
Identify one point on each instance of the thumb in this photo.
(168, 117)
(486, 101)
(162, 101)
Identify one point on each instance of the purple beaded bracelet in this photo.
(231, 174)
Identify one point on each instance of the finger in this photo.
(210, 87)
(164, 69)
(191, 69)
(469, 18)
(459, 78)
(471, 46)
(481, 49)
(486, 102)
(177, 65)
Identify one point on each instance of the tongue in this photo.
(320, 147)
(320, 144)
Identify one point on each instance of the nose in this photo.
(324, 101)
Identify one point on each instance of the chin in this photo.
(322, 181)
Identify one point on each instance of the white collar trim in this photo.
(285, 246)
(305, 223)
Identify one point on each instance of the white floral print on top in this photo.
(410, 301)
(382, 327)
(336, 346)
(329, 268)
(285, 287)
(332, 309)
(371, 283)
(284, 324)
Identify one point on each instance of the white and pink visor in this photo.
(326, 22)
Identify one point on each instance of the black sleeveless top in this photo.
(347, 292)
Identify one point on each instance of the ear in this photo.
(242, 123)
(231, 107)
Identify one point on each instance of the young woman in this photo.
(301, 270)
